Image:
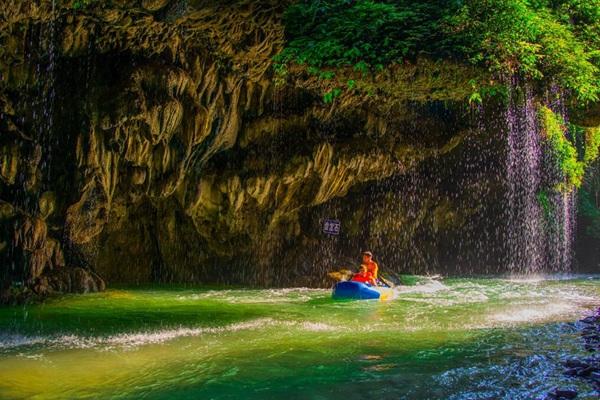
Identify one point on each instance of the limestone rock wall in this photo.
(150, 140)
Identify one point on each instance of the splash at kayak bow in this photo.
(361, 291)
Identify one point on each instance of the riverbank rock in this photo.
(562, 394)
(587, 368)
(57, 281)
(72, 280)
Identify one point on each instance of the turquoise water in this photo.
(455, 339)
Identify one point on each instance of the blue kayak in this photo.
(360, 291)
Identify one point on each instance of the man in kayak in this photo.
(372, 267)
(364, 276)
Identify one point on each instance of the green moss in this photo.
(592, 145)
(564, 152)
(331, 95)
(544, 202)
(80, 4)
(422, 81)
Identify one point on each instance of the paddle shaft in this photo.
(387, 282)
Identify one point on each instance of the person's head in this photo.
(362, 269)
(367, 256)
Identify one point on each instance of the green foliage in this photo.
(590, 210)
(544, 202)
(557, 39)
(526, 37)
(80, 4)
(587, 141)
(364, 33)
(563, 151)
(584, 18)
(327, 75)
(331, 95)
(475, 98)
(480, 92)
(592, 145)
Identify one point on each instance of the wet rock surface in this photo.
(165, 149)
(151, 141)
(587, 368)
(56, 281)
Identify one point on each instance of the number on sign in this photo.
(331, 227)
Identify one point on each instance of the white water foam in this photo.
(12, 341)
(431, 286)
(534, 313)
(126, 341)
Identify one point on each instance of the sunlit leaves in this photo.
(538, 39)
(563, 151)
(331, 95)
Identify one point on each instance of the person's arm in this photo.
(370, 280)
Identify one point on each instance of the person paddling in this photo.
(372, 267)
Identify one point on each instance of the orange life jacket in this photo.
(372, 268)
(366, 278)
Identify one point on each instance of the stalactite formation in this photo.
(152, 141)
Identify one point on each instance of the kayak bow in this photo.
(361, 291)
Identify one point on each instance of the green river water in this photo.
(455, 339)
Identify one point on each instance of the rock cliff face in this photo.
(147, 141)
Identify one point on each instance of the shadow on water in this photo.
(120, 311)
